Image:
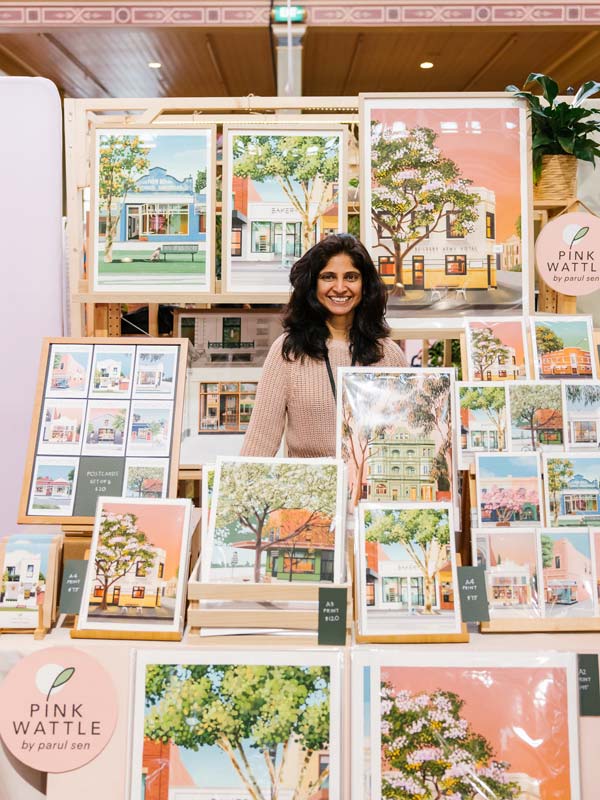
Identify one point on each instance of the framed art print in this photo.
(497, 349)
(138, 567)
(509, 489)
(210, 724)
(512, 561)
(446, 198)
(569, 573)
(572, 482)
(563, 347)
(536, 416)
(407, 579)
(482, 725)
(483, 419)
(107, 422)
(275, 520)
(153, 210)
(582, 411)
(284, 190)
(394, 432)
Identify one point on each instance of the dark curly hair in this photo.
(304, 320)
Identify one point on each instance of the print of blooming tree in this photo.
(487, 350)
(507, 505)
(430, 752)
(415, 189)
(279, 713)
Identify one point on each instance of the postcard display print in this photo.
(107, 423)
(153, 210)
(139, 559)
(279, 728)
(446, 191)
(394, 431)
(284, 190)
(468, 727)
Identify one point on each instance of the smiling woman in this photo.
(335, 318)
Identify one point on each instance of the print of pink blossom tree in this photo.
(430, 752)
(509, 504)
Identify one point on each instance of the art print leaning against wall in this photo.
(445, 193)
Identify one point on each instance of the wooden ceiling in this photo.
(236, 61)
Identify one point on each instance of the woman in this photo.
(335, 318)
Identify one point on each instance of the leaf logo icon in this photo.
(579, 235)
(62, 678)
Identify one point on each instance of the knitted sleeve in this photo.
(393, 355)
(267, 422)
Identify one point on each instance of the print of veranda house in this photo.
(447, 256)
(161, 209)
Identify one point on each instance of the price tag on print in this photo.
(473, 594)
(71, 588)
(333, 608)
(589, 685)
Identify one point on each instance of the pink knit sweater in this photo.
(302, 393)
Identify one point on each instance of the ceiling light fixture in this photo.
(154, 64)
(426, 64)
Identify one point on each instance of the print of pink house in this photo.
(67, 372)
(51, 487)
(570, 575)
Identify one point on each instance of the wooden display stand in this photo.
(47, 610)
(251, 618)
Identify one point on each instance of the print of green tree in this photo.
(487, 350)
(491, 400)
(559, 472)
(526, 403)
(273, 710)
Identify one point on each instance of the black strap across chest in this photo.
(330, 373)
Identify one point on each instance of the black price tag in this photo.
(473, 594)
(589, 685)
(71, 589)
(333, 608)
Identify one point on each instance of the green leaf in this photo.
(549, 87)
(567, 143)
(580, 234)
(61, 679)
(586, 90)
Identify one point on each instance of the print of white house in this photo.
(22, 571)
(142, 586)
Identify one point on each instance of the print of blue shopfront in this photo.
(580, 499)
(162, 210)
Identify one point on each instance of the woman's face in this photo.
(339, 286)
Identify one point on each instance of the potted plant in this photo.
(561, 133)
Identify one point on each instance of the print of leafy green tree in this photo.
(415, 189)
(487, 350)
(122, 161)
(249, 493)
(424, 533)
(559, 473)
(547, 543)
(303, 166)
(121, 547)
(547, 340)
(274, 710)
(490, 400)
(138, 475)
(427, 406)
(526, 405)
(431, 752)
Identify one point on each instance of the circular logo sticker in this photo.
(567, 253)
(59, 709)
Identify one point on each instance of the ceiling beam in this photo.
(214, 59)
(58, 45)
(566, 55)
(357, 47)
(19, 62)
(496, 56)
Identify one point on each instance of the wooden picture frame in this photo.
(61, 483)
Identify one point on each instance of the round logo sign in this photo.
(567, 253)
(59, 709)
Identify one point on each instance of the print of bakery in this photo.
(161, 215)
(445, 258)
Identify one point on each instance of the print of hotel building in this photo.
(446, 259)
(141, 587)
(399, 468)
(566, 362)
(160, 209)
(565, 580)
